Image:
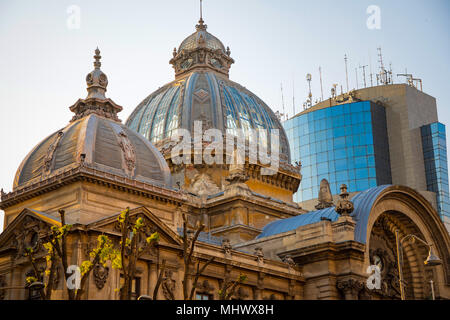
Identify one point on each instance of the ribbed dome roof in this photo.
(95, 138)
(208, 96)
(197, 37)
(202, 91)
(99, 143)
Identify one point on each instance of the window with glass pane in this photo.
(135, 287)
(203, 296)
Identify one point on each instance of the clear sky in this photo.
(44, 56)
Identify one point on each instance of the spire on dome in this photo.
(201, 50)
(97, 57)
(201, 25)
(96, 102)
(96, 80)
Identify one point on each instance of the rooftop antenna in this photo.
(364, 74)
(409, 78)
(383, 75)
(346, 73)
(390, 73)
(380, 57)
(321, 87)
(309, 101)
(333, 91)
(418, 81)
(201, 11)
(370, 69)
(356, 74)
(282, 98)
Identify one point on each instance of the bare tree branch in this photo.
(158, 282)
(198, 274)
(63, 252)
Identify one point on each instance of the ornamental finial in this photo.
(201, 25)
(97, 57)
(96, 102)
(96, 80)
(344, 207)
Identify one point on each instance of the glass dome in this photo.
(217, 101)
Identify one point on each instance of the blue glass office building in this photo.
(436, 170)
(346, 143)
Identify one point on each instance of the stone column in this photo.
(350, 288)
(152, 277)
(257, 294)
(258, 291)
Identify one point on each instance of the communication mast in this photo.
(346, 72)
(418, 81)
(411, 81)
(390, 73)
(370, 70)
(293, 97)
(282, 100)
(321, 87)
(409, 78)
(364, 74)
(309, 100)
(333, 91)
(384, 77)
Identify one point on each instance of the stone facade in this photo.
(320, 254)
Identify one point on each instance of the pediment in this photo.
(27, 230)
(109, 225)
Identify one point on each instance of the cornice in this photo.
(85, 173)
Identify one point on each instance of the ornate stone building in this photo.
(95, 167)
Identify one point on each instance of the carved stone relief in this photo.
(259, 255)
(168, 285)
(204, 287)
(226, 246)
(100, 275)
(290, 262)
(241, 294)
(29, 235)
(51, 151)
(202, 184)
(128, 152)
(382, 254)
(270, 297)
(350, 288)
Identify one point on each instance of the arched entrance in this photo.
(403, 209)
